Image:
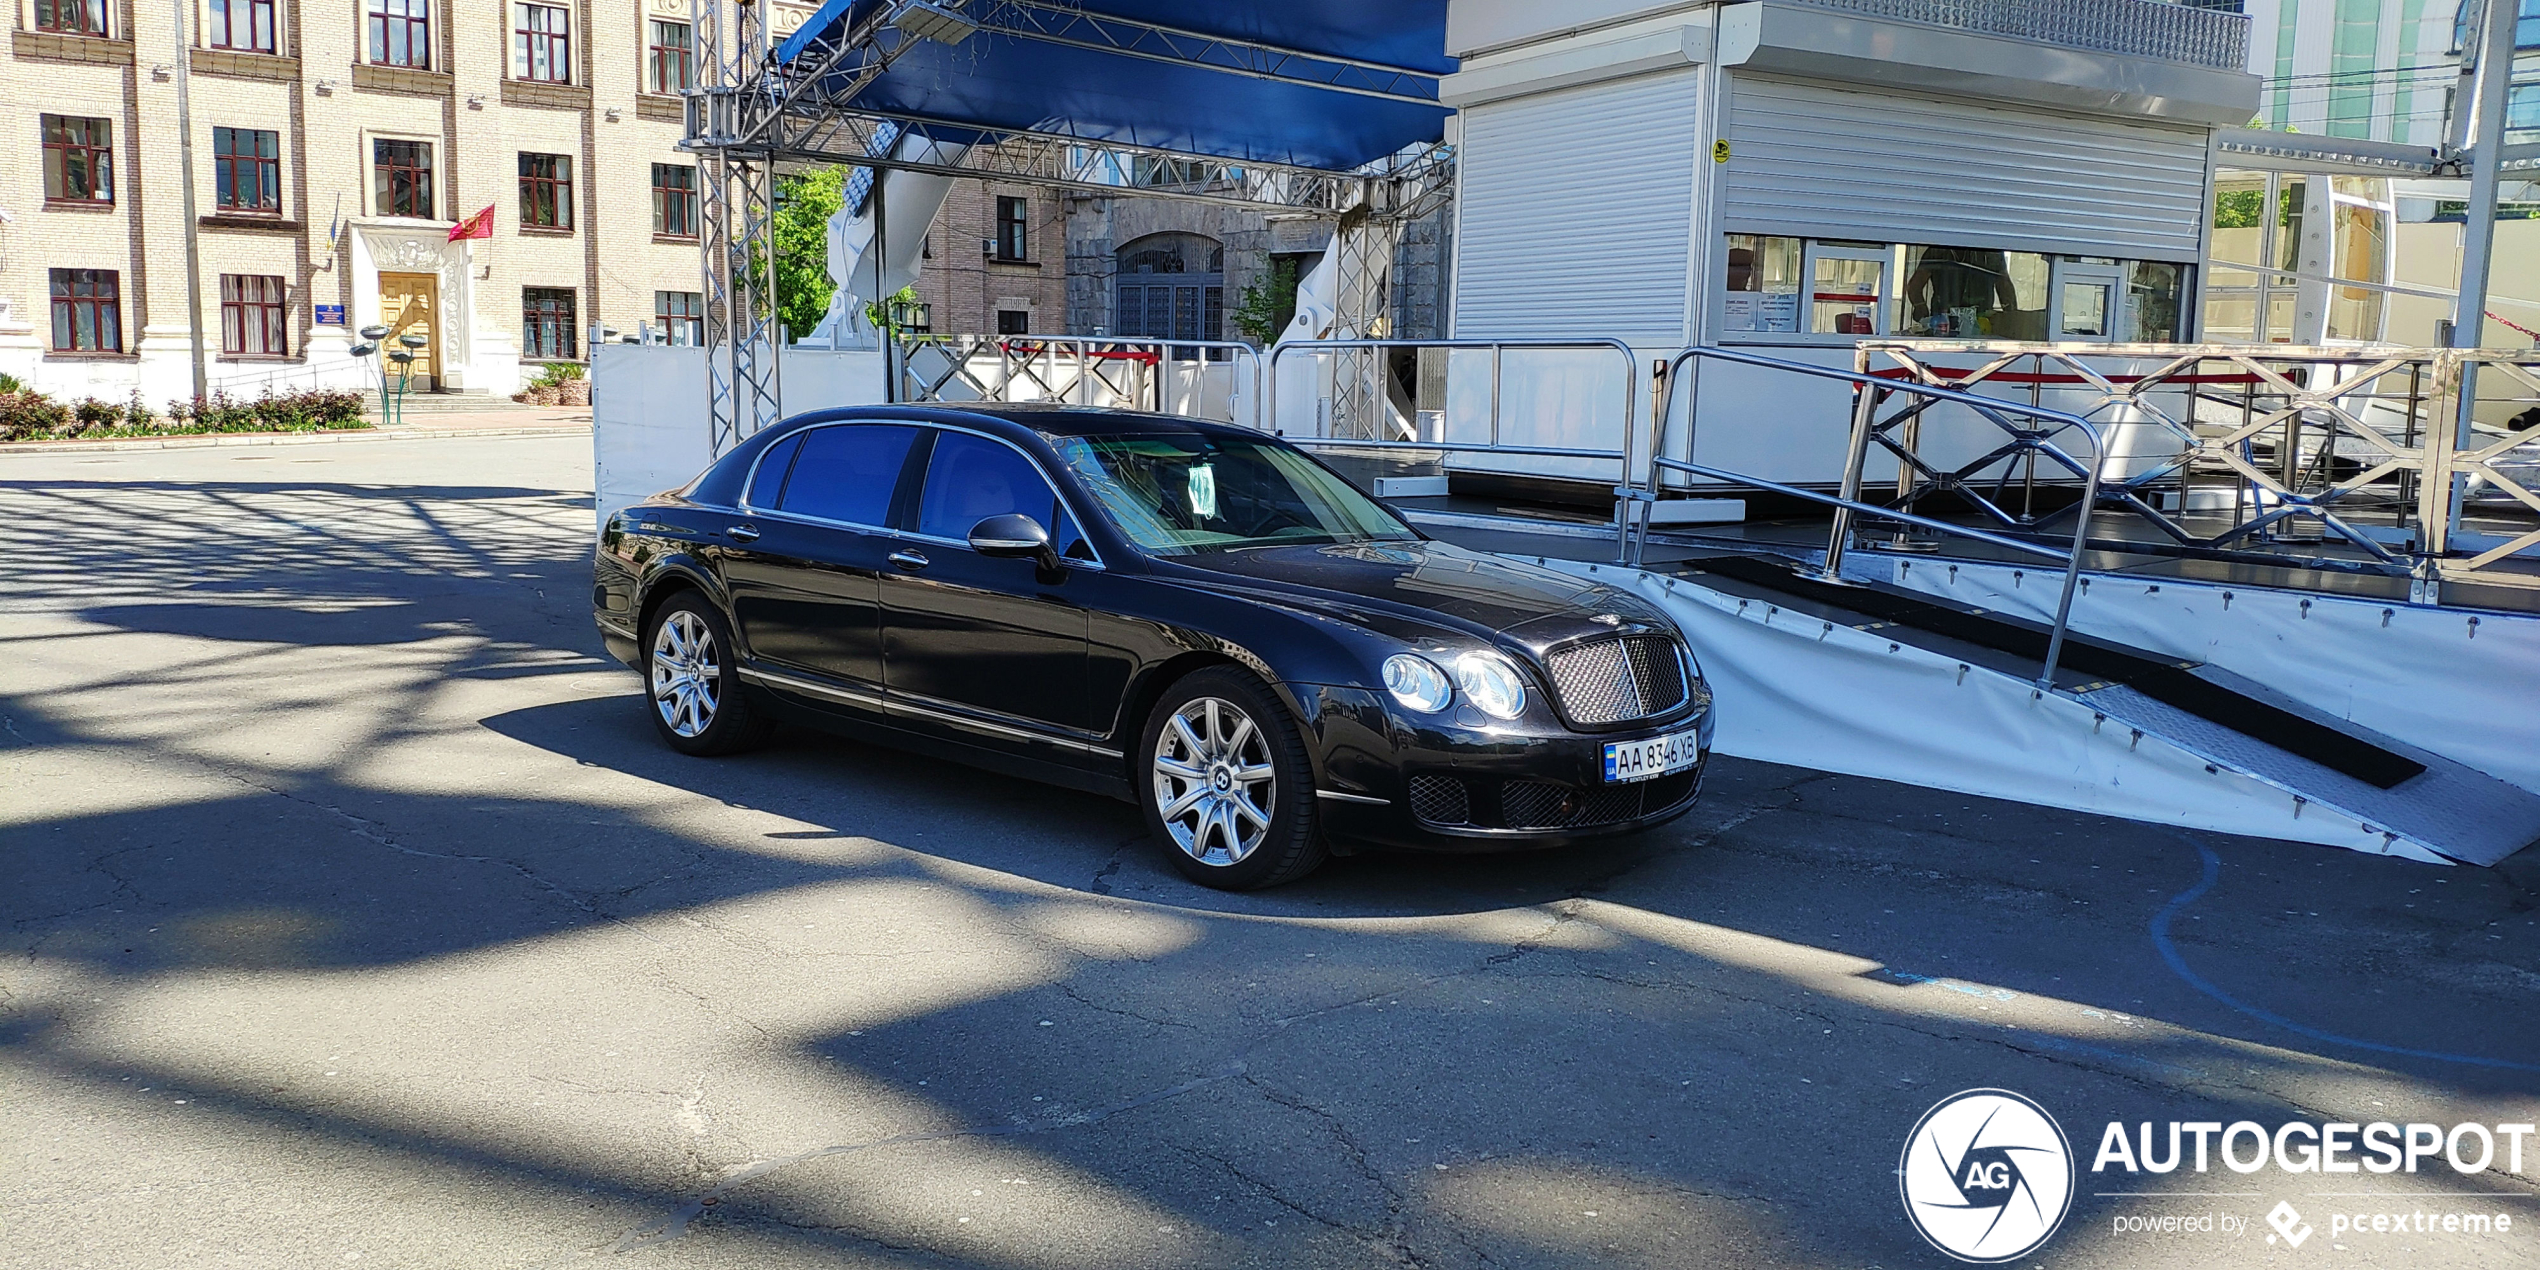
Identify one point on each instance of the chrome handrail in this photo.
(2354, 429)
(1625, 492)
(1866, 390)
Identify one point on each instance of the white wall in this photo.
(649, 430)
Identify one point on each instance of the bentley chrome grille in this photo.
(1617, 680)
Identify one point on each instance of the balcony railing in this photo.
(2197, 33)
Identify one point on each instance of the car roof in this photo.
(1045, 418)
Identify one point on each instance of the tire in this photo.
(1226, 785)
(694, 696)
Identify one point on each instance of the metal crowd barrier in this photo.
(1074, 370)
(2332, 437)
(1917, 477)
(1625, 492)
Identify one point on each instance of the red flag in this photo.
(480, 225)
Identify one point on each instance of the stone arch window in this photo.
(1171, 286)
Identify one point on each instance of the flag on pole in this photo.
(480, 225)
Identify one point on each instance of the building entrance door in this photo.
(407, 302)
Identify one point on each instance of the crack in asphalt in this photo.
(677, 1223)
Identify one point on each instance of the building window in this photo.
(542, 43)
(79, 160)
(546, 323)
(243, 25)
(674, 200)
(401, 33)
(251, 320)
(546, 190)
(673, 65)
(1171, 286)
(247, 170)
(71, 17)
(87, 311)
(1013, 240)
(401, 178)
(681, 315)
(1014, 322)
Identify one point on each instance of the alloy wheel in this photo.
(687, 673)
(1214, 782)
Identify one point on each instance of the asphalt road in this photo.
(355, 918)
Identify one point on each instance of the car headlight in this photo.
(1491, 684)
(1417, 682)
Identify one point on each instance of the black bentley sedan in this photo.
(1198, 618)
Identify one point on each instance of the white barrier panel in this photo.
(1790, 688)
(2453, 682)
(649, 431)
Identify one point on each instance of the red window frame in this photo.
(680, 316)
(71, 17)
(546, 190)
(82, 146)
(674, 200)
(673, 66)
(247, 170)
(401, 178)
(547, 330)
(252, 320)
(410, 23)
(542, 43)
(95, 295)
(225, 18)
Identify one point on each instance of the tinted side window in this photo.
(972, 478)
(848, 473)
(770, 479)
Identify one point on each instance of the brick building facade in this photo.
(335, 144)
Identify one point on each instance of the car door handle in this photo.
(742, 533)
(908, 560)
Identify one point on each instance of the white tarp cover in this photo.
(1793, 689)
(2455, 682)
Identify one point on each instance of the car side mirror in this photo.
(1014, 536)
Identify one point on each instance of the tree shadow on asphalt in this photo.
(1317, 1051)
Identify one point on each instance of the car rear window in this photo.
(769, 480)
(847, 473)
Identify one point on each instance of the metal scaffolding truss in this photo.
(754, 114)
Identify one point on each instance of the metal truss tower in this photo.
(753, 115)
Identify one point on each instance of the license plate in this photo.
(1627, 761)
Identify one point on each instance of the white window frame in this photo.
(2115, 277)
(1884, 256)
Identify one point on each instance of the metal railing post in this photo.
(1865, 406)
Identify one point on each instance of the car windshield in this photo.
(1179, 493)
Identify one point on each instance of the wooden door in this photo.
(407, 302)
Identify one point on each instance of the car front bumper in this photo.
(1473, 785)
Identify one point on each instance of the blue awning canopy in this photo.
(1326, 84)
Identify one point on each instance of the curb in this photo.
(211, 440)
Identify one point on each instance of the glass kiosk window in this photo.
(1763, 285)
(1974, 293)
(1847, 289)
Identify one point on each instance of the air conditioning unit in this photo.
(987, 246)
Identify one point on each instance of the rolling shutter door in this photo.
(1895, 168)
(1575, 212)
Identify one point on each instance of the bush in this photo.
(31, 416)
(27, 415)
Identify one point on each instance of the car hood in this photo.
(1385, 585)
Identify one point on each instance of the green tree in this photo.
(804, 203)
(1265, 306)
